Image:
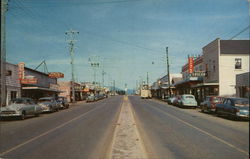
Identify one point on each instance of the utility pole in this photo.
(168, 71)
(114, 86)
(4, 9)
(94, 62)
(147, 79)
(103, 73)
(71, 35)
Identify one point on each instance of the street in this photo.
(86, 131)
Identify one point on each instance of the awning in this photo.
(205, 84)
(188, 82)
(41, 88)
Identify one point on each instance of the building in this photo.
(214, 72)
(223, 60)
(13, 86)
(65, 88)
(242, 85)
(36, 84)
(161, 88)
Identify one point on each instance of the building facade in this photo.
(223, 60)
(65, 88)
(214, 72)
(242, 85)
(13, 86)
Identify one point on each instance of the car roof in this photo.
(236, 98)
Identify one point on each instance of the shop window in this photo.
(238, 63)
(13, 94)
(8, 73)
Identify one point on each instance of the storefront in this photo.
(36, 84)
(242, 85)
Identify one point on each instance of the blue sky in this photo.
(128, 36)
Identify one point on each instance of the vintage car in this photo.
(234, 107)
(63, 102)
(49, 104)
(21, 107)
(91, 98)
(209, 105)
(187, 100)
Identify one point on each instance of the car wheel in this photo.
(217, 112)
(23, 116)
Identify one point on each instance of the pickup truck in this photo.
(233, 107)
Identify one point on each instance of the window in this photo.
(8, 73)
(238, 63)
(13, 94)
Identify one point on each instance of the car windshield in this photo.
(188, 97)
(241, 102)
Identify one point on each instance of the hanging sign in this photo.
(21, 72)
(56, 75)
(190, 65)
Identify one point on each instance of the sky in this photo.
(127, 37)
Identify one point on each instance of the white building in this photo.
(223, 60)
(13, 86)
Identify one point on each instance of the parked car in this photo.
(187, 100)
(209, 105)
(171, 100)
(64, 104)
(21, 107)
(234, 107)
(165, 98)
(175, 100)
(90, 98)
(49, 104)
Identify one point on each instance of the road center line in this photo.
(205, 132)
(47, 132)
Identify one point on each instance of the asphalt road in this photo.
(170, 132)
(85, 131)
(82, 132)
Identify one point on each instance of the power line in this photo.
(240, 32)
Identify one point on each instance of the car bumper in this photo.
(46, 109)
(10, 115)
(241, 115)
(189, 105)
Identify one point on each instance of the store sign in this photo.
(29, 81)
(56, 75)
(198, 74)
(21, 73)
(190, 64)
